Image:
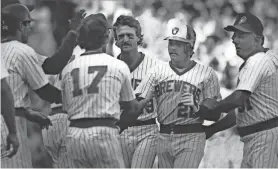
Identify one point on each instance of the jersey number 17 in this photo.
(93, 88)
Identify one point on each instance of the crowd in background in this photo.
(208, 17)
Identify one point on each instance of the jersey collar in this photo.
(142, 56)
(184, 71)
(90, 53)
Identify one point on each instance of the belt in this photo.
(142, 123)
(20, 112)
(181, 129)
(58, 109)
(265, 125)
(93, 122)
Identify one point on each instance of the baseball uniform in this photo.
(259, 76)
(167, 85)
(139, 141)
(4, 72)
(54, 139)
(22, 64)
(93, 84)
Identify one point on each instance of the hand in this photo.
(210, 131)
(39, 118)
(121, 126)
(187, 99)
(76, 21)
(12, 145)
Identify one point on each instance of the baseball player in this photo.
(92, 86)
(8, 113)
(256, 96)
(22, 64)
(50, 65)
(139, 140)
(179, 87)
(54, 140)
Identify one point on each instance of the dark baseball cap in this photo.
(96, 23)
(5, 3)
(247, 22)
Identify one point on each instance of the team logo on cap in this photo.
(175, 30)
(242, 19)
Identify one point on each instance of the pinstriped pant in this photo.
(260, 149)
(139, 146)
(94, 147)
(180, 150)
(22, 159)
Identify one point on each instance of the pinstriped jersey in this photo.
(137, 75)
(167, 85)
(22, 64)
(4, 72)
(93, 85)
(259, 76)
(53, 138)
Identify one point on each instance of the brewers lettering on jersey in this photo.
(181, 141)
(167, 86)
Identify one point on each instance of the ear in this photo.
(21, 26)
(117, 44)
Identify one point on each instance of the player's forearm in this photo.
(229, 103)
(50, 93)
(8, 110)
(56, 63)
(227, 122)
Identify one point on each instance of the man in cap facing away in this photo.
(93, 84)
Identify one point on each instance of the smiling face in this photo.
(126, 38)
(244, 43)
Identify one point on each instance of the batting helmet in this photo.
(180, 32)
(5, 3)
(17, 12)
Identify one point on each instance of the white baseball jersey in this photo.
(167, 85)
(22, 63)
(4, 72)
(259, 76)
(137, 73)
(54, 137)
(93, 84)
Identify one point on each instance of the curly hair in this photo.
(131, 22)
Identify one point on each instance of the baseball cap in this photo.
(180, 32)
(246, 22)
(9, 2)
(96, 23)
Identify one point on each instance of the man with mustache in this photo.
(255, 98)
(181, 87)
(139, 140)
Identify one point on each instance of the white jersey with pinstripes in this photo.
(93, 85)
(4, 72)
(137, 75)
(22, 63)
(259, 76)
(167, 85)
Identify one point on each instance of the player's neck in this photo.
(99, 50)
(131, 57)
(257, 50)
(182, 65)
(10, 38)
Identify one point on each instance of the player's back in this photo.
(91, 86)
